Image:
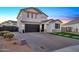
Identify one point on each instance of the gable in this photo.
(36, 10)
(55, 21)
(58, 22)
(32, 11)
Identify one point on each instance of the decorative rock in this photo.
(42, 47)
(15, 43)
(23, 42)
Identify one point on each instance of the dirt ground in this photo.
(8, 46)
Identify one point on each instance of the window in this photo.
(31, 15)
(57, 26)
(35, 15)
(28, 15)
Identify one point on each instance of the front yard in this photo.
(8, 43)
(67, 34)
(35, 42)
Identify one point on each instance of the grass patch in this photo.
(67, 34)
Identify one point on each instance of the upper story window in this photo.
(32, 15)
(35, 15)
(57, 26)
(28, 15)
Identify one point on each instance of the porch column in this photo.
(23, 28)
(45, 27)
(40, 27)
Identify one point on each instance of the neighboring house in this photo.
(72, 26)
(9, 23)
(33, 20)
(0, 25)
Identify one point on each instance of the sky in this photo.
(63, 13)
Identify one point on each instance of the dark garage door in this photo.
(32, 28)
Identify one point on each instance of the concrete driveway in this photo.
(43, 42)
(74, 48)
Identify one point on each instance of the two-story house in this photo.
(34, 20)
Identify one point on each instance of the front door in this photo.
(42, 28)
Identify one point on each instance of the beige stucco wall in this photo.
(19, 24)
(74, 26)
(40, 17)
(51, 27)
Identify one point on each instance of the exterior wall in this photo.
(39, 15)
(39, 18)
(45, 26)
(51, 27)
(75, 27)
(19, 24)
(32, 10)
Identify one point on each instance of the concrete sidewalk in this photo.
(69, 49)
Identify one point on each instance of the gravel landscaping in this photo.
(9, 43)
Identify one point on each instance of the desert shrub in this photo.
(8, 36)
(3, 32)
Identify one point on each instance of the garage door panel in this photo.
(31, 28)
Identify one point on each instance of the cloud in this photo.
(63, 19)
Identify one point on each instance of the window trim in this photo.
(32, 16)
(35, 16)
(27, 14)
(57, 26)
